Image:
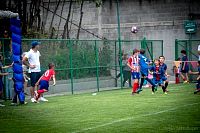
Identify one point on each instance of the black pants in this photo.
(127, 76)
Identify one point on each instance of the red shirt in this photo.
(48, 74)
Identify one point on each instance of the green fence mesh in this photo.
(191, 47)
(88, 65)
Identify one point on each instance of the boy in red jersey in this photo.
(44, 81)
(133, 63)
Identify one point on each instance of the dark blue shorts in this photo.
(186, 70)
(158, 82)
(1, 85)
(144, 72)
(44, 85)
(164, 78)
(135, 75)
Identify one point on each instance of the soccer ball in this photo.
(134, 29)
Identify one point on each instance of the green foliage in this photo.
(83, 58)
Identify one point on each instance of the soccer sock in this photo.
(177, 80)
(166, 84)
(153, 89)
(198, 86)
(40, 91)
(141, 83)
(151, 82)
(135, 87)
(163, 88)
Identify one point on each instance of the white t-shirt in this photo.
(34, 59)
(198, 51)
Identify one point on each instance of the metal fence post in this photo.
(119, 39)
(97, 64)
(162, 47)
(176, 49)
(115, 63)
(71, 66)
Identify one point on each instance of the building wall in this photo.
(156, 20)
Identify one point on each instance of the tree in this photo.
(60, 18)
(50, 28)
(24, 21)
(44, 21)
(80, 21)
(66, 26)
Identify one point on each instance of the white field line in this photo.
(131, 118)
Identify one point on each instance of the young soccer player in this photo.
(184, 67)
(144, 70)
(164, 67)
(158, 74)
(177, 70)
(133, 63)
(44, 81)
(198, 78)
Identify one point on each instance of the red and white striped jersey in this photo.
(134, 62)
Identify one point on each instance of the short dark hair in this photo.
(178, 59)
(183, 51)
(142, 51)
(135, 51)
(161, 56)
(199, 62)
(51, 65)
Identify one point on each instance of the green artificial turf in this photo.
(108, 111)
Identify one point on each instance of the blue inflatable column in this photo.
(17, 59)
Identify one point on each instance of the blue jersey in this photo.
(199, 70)
(164, 67)
(158, 72)
(143, 62)
(185, 59)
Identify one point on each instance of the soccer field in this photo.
(108, 111)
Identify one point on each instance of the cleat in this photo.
(33, 100)
(153, 93)
(43, 99)
(165, 93)
(13, 104)
(1, 105)
(186, 82)
(138, 91)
